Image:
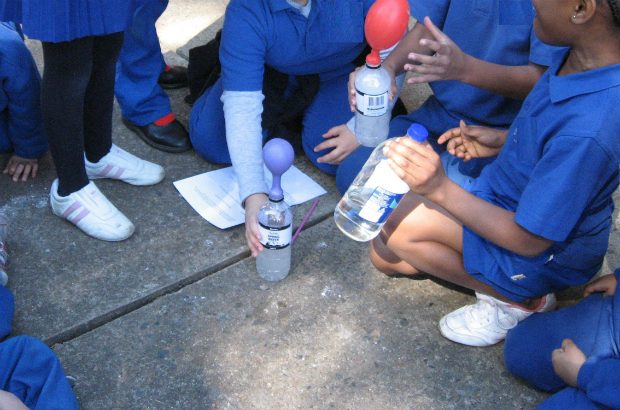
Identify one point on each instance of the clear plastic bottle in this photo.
(373, 195)
(4, 257)
(372, 101)
(275, 222)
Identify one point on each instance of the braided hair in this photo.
(614, 5)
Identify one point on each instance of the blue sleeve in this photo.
(21, 85)
(571, 172)
(542, 53)
(437, 10)
(7, 308)
(600, 381)
(244, 45)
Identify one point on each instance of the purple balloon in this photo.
(278, 155)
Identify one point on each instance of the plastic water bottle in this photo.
(275, 220)
(373, 109)
(373, 195)
(4, 257)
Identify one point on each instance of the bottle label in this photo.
(380, 205)
(371, 105)
(275, 238)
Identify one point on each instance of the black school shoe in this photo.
(172, 137)
(175, 77)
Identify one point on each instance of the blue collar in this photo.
(279, 5)
(568, 86)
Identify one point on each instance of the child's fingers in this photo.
(18, 172)
(451, 133)
(35, 169)
(435, 31)
(26, 173)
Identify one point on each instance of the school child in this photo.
(30, 373)
(81, 42)
(575, 353)
(538, 218)
(21, 125)
(480, 58)
(307, 48)
(140, 75)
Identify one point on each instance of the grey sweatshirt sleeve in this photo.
(242, 113)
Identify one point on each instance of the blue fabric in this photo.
(593, 325)
(63, 20)
(557, 172)
(498, 31)
(21, 123)
(141, 98)
(272, 32)
(329, 107)
(7, 309)
(31, 371)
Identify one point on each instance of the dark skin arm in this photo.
(420, 167)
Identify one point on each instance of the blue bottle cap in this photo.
(418, 132)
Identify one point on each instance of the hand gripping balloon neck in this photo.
(278, 155)
(385, 25)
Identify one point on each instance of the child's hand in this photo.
(447, 63)
(605, 284)
(417, 164)
(473, 141)
(341, 140)
(352, 93)
(19, 167)
(252, 234)
(567, 361)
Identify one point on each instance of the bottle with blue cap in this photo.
(275, 220)
(374, 194)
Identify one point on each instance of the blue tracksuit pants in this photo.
(141, 98)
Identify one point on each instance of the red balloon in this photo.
(385, 25)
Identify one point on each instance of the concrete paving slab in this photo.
(334, 334)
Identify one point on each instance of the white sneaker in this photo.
(120, 164)
(90, 210)
(487, 322)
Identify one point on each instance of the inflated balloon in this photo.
(278, 155)
(385, 25)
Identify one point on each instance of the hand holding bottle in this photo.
(252, 233)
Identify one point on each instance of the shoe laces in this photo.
(486, 311)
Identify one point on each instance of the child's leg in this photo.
(569, 398)
(528, 347)
(99, 97)
(32, 372)
(7, 308)
(329, 108)
(207, 129)
(68, 67)
(423, 237)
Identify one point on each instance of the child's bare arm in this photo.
(420, 167)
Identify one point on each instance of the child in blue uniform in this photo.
(30, 373)
(21, 125)
(485, 59)
(81, 42)
(575, 352)
(144, 104)
(296, 38)
(538, 218)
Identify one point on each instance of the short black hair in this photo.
(614, 5)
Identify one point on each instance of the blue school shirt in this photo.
(557, 171)
(497, 31)
(65, 20)
(274, 33)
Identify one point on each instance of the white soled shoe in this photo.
(487, 322)
(120, 164)
(90, 210)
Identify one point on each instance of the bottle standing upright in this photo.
(275, 219)
(374, 194)
(372, 101)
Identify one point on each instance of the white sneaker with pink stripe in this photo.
(120, 164)
(90, 210)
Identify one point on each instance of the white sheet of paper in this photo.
(215, 194)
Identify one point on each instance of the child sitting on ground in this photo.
(538, 218)
(576, 350)
(21, 124)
